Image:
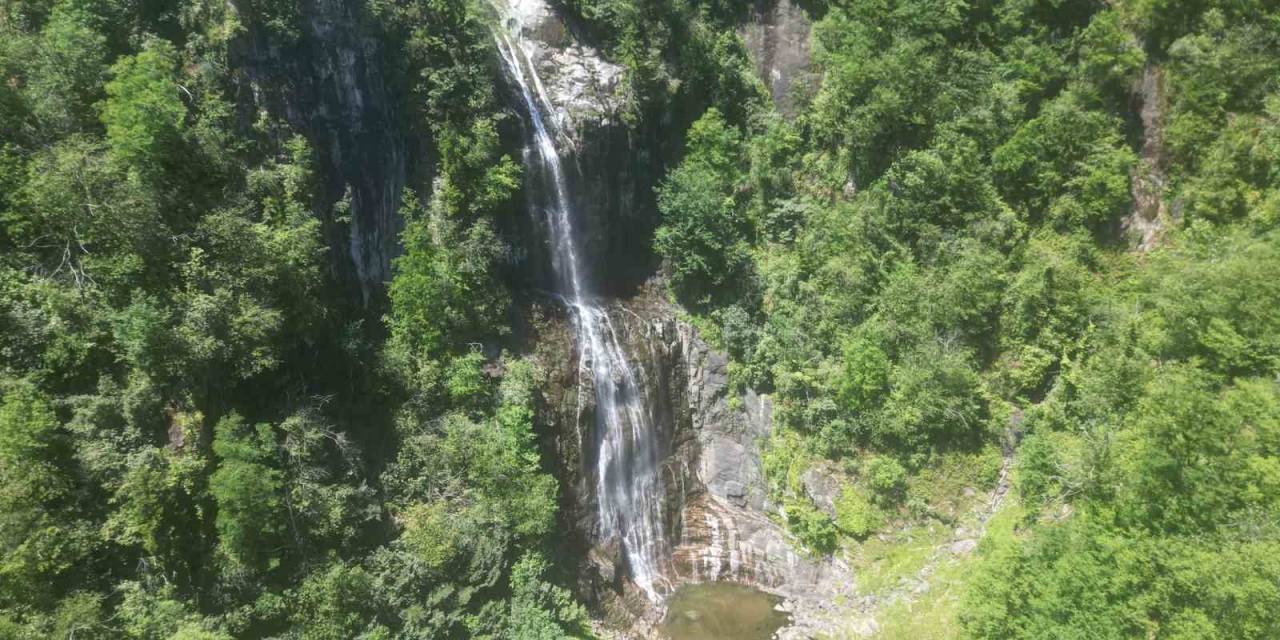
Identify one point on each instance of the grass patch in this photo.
(880, 565)
(942, 485)
(933, 614)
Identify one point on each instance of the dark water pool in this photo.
(721, 611)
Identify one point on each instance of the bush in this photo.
(813, 527)
(936, 399)
(1038, 477)
(886, 478)
(856, 515)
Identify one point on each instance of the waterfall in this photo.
(629, 489)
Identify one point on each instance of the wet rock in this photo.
(777, 40)
(612, 165)
(728, 461)
(607, 559)
(727, 532)
(719, 517)
(584, 89)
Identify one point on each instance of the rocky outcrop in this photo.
(727, 528)
(1150, 217)
(586, 91)
(326, 80)
(777, 39)
(720, 523)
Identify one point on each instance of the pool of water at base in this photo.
(721, 611)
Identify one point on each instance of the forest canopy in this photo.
(203, 433)
(943, 252)
(1028, 241)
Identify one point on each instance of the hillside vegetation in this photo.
(202, 435)
(1037, 237)
(934, 259)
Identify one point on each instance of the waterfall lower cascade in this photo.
(629, 487)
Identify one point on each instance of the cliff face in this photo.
(1151, 216)
(719, 523)
(729, 530)
(777, 39)
(327, 81)
(726, 532)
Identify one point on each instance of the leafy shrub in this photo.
(813, 527)
(1038, 477)
(886, 478)
(856, 514)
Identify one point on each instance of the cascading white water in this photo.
(629, 488)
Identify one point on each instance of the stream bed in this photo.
(720, 610)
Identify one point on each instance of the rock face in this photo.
(719, 523)
(585, 90)
(327, 82)
(1150, 217)
(777, 40)
(726, 531)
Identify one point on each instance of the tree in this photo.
(866, 369)
(445, 293)
(337, 602)
(158, 509)
(42, 540)
(704, 231)
(1068, 164)
(143, 113)
(69, 67)
(28, 425)
(246, 488)
(936, 399)
(541, 610)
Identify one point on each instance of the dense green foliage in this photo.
(202, 436)
(930, 259)
(932, 266)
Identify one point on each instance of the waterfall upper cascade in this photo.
(628, 442)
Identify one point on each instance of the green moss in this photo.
(785, 460)
(933, 613)
(943, 484)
